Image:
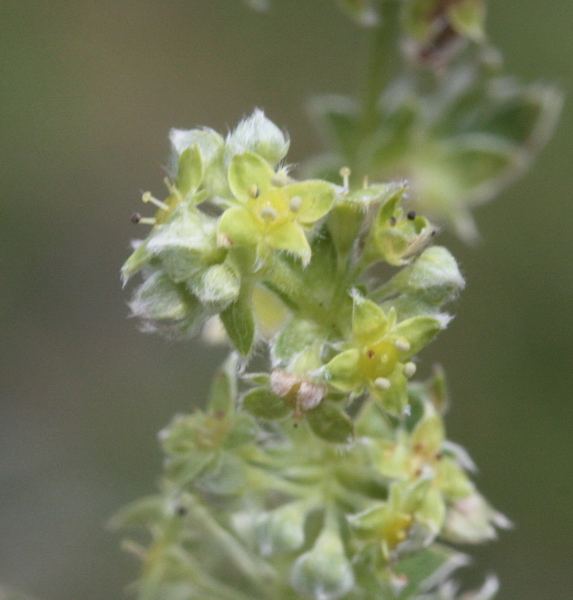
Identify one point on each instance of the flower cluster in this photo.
(327, 475)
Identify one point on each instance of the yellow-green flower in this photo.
(378, 356)
(423, 451)
(409, 520)
(270, 210)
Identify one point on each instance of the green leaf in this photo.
(223, 390)
(142, 512)
(330, 423)
(190, 171)
(239, 322)
(427, 568)
(468, 18)
(263, 404)
(244, 431)
(369, 322)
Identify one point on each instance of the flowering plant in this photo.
(326, 473)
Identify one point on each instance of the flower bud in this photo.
(259, 135)
(433, 278)
(281, 530)
(323, 573)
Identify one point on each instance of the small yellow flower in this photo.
(271, 211)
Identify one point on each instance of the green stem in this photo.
(378, 68)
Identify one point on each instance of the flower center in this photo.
(379, 360)
(271, 208)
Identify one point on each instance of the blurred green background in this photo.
(88, 92)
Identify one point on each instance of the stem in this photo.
(378, 70)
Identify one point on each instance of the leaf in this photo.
(239, 322)
(330, 423)
(263, 404)
(224, 387)
(190, 171)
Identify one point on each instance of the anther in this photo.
(147, 197)
(254, 191)
(409, 369)
(411, 215)
(345, 174)
(402, 345)
(268, 213)
(295, 203)
(382, 383)
(136, 218)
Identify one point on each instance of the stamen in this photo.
(295, 203)
(147, 197)
(254, 191)
(382, 383)
(411, 215)
(268, 213)
(402, 345)
(345, 174)
(137, 219)
(409, 369)
(172, 189)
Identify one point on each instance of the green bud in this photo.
(472, 520)
(168, 307)
(323, 573)
(281, 530)
(210, 146)
(434, 278)
(259, 135)
(217, 286)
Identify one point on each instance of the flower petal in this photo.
(369, 322)
(343, 371)
(248, 172)
(289, 237)
(317, 199)
(237, 228)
